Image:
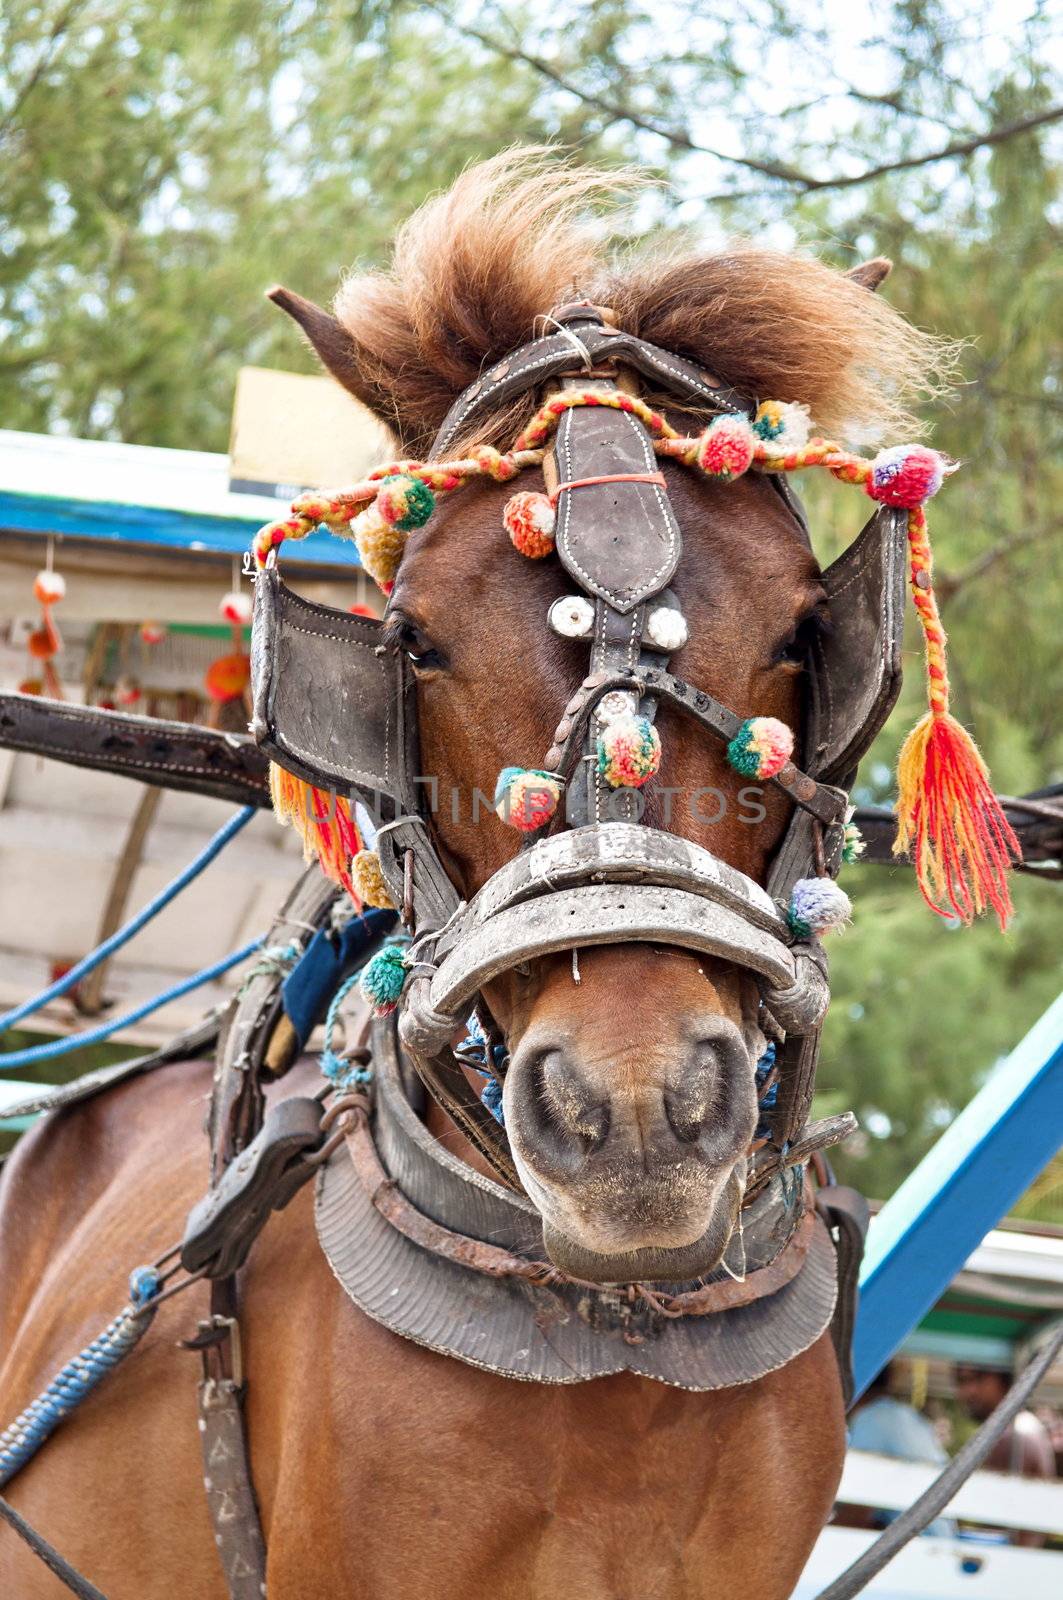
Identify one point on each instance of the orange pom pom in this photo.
(529, 521)
(227, 678)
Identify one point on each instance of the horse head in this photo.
(630, 1095)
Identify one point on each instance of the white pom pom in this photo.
(236, 608)
(572, 617)
(666, 629)
(49, 587)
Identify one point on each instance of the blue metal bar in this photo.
(62, 1047)
(979, 1167)
(134, 925)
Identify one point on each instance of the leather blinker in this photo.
(330, 704)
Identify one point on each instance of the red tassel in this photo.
(323, 821)
(950, 820)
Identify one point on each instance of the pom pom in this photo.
(152, 632)
(572, 617)
(817, 905)
(725, 449)
(44, 642)
(368, 883)
(49, 587)
(236, 608)
(380, 545)
(526, 798)
(784, 429)
(629, 752)
(761, 747)
(405, 502)
(852, 844)
(951, 821)
(666, 629)
(907, 475)
(228, 677)
(383, 979)
(529, 521)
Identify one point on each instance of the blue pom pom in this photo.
(383, 979)
(816, 905)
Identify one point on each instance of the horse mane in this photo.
(477, 268)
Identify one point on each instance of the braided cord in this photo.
(74, 1380)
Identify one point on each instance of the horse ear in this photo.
(871, 273)
(329, 338)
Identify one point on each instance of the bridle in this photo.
(335, 709)
(595, 872)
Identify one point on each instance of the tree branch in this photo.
(52, 44)
(781, 171)
(948, 585)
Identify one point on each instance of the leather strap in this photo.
(68, 1575)
(542, 360)
(171, 755)
(494, 1262)
(230, 1495)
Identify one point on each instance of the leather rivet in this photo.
(562, 731)
(574, 705)
(922, 579)
(804, 787)
(553, 758)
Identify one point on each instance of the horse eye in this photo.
(420, 649)
(794, 651)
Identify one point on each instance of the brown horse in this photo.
(382, 1469)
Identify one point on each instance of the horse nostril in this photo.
(689, 1104)
(572, 1107)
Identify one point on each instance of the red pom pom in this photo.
(906, 475)
(725, 449)
(529, 521)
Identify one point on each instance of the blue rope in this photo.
(20, 1442)
(62, 1047)
(134, 925)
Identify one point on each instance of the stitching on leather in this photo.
(655, 358)
(564, 440)
(162, 765)
(313, 759)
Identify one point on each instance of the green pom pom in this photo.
(405, 502)
(852, 844)
(382, 980)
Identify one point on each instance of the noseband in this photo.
(337, 711)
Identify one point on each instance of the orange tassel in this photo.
(948, 817)
(322, 819)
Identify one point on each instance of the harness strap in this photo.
(68, 1575)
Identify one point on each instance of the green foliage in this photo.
(161, 164)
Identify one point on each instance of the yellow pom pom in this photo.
(380, 546)
(368, 881)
